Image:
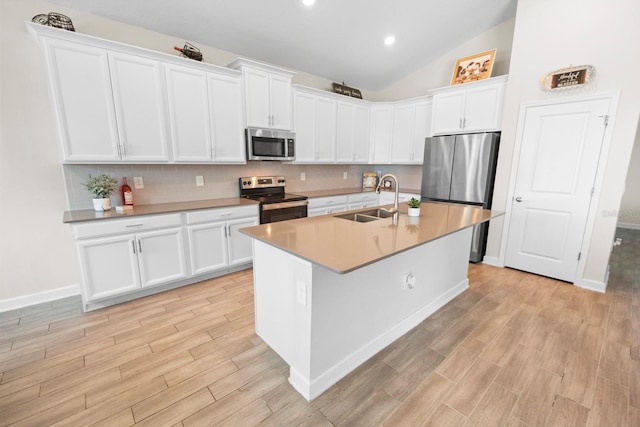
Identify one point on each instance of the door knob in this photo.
(518, 199)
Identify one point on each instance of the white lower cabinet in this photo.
(115, 260)
(207, 247)
(386, 197)
(109, 266)
(363, 200)
(240, 247)
(327, 205)
(215, 242)
(120, 258)
(161, 256)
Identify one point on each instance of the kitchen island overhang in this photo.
(331, 293)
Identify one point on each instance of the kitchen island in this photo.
(332, 292)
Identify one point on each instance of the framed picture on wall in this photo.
(473, 68)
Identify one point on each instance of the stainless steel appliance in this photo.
(268, 144)
(461, 169)
(275, 204)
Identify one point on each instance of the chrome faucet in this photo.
(393, 210)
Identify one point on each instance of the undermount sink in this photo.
(366, 216)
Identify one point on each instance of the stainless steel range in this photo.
(275, 204)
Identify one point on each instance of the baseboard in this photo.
(38, 298)
(594, 285)
(629, 225)
(319, 385)
(492, 260)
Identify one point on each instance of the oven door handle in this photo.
(284, 205)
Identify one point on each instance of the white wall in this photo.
(629, 215)
(438, 73)
(550, 35)
(36, 253)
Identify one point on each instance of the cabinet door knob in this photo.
(518, 199)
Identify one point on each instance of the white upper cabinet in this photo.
(225, 109)
(81, 89)
(411, 125)
(139, 98)
(381, 132)
(326, 130)
(117, 103)
(315, 127)
(205, 112)
(305, 126)
(189, 114)
(353, 132)
(267, 91)
(280, 97)
(471, 107)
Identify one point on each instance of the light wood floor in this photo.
(514, 350)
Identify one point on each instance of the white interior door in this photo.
(557, 165)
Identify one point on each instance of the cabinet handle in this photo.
(225, 231)
(460, 123)
(133, 244)
(139, 246)
(464, 122)
(133, 225)
(226, 214)
(229, 231)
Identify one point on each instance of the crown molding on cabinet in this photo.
(38, 31)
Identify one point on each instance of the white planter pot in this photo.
(414, 211)
(102, 204)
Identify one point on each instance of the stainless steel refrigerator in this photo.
(461, 169)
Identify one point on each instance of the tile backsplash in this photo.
(177, 183)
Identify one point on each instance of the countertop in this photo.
(91, 215)
(69, 217)
(343, 246)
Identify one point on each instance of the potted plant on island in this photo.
(101, 187)
(414, 207)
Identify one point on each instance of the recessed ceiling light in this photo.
(389, 40)
(308, 2)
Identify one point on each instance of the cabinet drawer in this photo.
(317, 202)
(221, 214)
(363, 197)
(129, 225)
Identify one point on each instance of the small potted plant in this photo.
(414, 207)
(101, 187)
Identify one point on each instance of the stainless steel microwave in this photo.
(268, 144)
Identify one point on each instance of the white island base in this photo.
(325, 324)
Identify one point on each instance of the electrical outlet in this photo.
(199, 181)
(303, 176)
(344, 175)
(138, 183)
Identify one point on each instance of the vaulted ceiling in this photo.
(341, 40)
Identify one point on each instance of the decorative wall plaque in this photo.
(346, 90)
(567, 78)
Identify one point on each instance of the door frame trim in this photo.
(614, 97)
